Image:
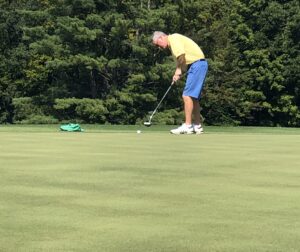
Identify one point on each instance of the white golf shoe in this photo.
(183, 129)
(198, 129)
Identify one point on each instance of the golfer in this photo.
(189, 57)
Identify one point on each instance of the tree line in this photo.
(92, 60)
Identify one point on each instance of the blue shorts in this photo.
(195, 79)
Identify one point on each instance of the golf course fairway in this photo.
(110, 189)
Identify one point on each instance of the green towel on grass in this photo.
(71, 127)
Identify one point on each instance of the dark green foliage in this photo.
(92, 60)
(80, 110)
(169, 117)
(26, 111)
(261, 31)
(6, 109)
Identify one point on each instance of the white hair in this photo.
(157, 35)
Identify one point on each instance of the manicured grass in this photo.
(110, 189)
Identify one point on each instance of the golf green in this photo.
(111, 189)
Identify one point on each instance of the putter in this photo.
(148, 123)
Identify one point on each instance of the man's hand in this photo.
(177, 74)
(180, 67)
(176, 77)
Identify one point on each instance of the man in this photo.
(189, 57)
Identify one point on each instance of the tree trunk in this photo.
(93, 85)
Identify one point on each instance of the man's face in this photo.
(161, 42)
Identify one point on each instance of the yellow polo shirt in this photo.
(180, 44)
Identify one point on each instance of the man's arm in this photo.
(180, 67)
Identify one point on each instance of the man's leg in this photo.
(196, 112)
(187, 127)
(188, 109)
(198, 128)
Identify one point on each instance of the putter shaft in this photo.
(150, 118)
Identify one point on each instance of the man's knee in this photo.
(185, 97)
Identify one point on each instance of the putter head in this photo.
(147, 124)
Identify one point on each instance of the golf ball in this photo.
(138, 131)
